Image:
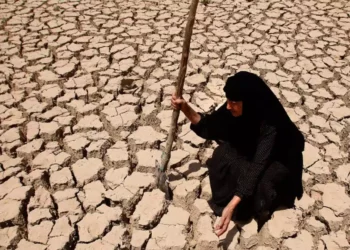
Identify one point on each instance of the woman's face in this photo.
(236, 108)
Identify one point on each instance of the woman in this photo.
(258, 163)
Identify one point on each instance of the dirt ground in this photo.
(85, 108)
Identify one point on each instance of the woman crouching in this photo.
(258, 163)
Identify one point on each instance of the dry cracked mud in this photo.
(85, 92)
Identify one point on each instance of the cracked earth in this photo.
(85, 109)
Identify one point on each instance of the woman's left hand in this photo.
(224, 221)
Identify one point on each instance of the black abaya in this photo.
(259, 157)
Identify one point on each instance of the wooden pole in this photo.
(180, 83)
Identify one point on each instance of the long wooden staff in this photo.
(161, 178)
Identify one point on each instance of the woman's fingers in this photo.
(223, 227)
(222, 231)
(221, 223)
(174, 105)
(176, 102)
(174, 97)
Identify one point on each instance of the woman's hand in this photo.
(177, 102)
(224, 221)
(227, 215)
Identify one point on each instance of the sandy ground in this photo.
(84, 111)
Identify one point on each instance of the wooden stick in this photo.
(180, 83)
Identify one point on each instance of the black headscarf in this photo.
(259, 102)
